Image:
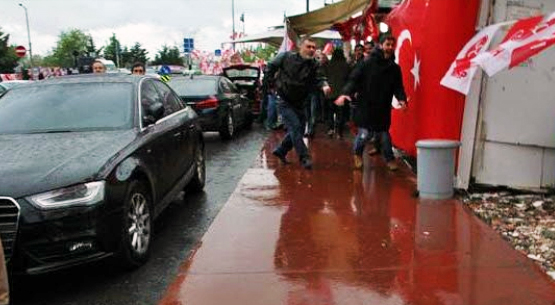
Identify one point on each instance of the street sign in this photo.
(188, 45)
(165, 70)
(218, 52)
(20, 51)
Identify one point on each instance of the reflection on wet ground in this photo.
(337, 236)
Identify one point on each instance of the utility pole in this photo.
(29, 38)
(307, 10)
(233, 17)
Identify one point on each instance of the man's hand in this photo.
(340, 101)
(403, 105)
(327, 90)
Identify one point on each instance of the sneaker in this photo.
(280, 156)
(392, 166)
(358, 162)
(306, 163)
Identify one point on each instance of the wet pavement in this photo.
(177, 233)
(337, 236)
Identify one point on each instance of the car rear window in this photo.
(194, 87)
(67, 107)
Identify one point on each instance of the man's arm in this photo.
(322, 80)
(273, 67)
(399, 90)
(354, 80)
(353, 84)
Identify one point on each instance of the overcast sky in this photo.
(152, 23)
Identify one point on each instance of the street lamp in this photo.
(29, 37)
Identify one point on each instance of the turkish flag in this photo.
(427, 41)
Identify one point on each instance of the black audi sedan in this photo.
(87, 163)
(218, 102)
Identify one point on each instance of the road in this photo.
(177, 232)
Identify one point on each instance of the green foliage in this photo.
(8, 59)
(110, 50)
(135, 54)
(68, 42)
(168, 56)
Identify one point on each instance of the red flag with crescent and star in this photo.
(427, 41)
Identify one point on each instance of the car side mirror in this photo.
(154, 112)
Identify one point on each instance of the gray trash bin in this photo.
(435, 168)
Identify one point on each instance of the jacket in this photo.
(294, 77)
(376, 80)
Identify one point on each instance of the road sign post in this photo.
(188, 45)
(20, 51)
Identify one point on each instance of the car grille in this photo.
(9, 215)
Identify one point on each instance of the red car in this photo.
(247, 79)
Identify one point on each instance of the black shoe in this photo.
(280, 156)
(306, 163)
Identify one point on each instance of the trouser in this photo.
(383, 137)
(311, 112)
(294, 120)
(337, 117)
(271, 121)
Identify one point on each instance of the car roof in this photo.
(93, 78)
(197, 77)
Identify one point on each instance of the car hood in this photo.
(34, 163)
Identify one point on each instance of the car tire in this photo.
(249, 120)
(197, 182)
(227, 128)
(136, 231)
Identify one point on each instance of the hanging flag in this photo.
(461, 72)
(525, 39)
(289, 38)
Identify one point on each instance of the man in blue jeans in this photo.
(376, 80)
(296, 74)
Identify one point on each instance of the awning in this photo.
(275, 37)
(324, 18)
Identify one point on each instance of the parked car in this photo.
(218, 102)
(88, 162)
(6, 85)
(248, 81)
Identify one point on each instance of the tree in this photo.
(133, 55)
(69, 42)
(138, 53)
(92, 50)
(168, 56)
(110, 50)
(8, 59)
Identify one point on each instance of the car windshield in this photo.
(66, 108)
(194, 87)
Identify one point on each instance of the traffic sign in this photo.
(20, 51)
(218, 52)
(164, 70)
(188, 45)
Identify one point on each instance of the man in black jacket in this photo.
(376, 81)
(297, 75)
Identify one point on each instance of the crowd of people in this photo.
(303, 88)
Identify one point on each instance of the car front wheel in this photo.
(136, 231)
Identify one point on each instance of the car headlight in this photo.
(82, 194)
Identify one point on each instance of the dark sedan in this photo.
(88, 162)
(218, 102)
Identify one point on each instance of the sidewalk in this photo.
(337, 236)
